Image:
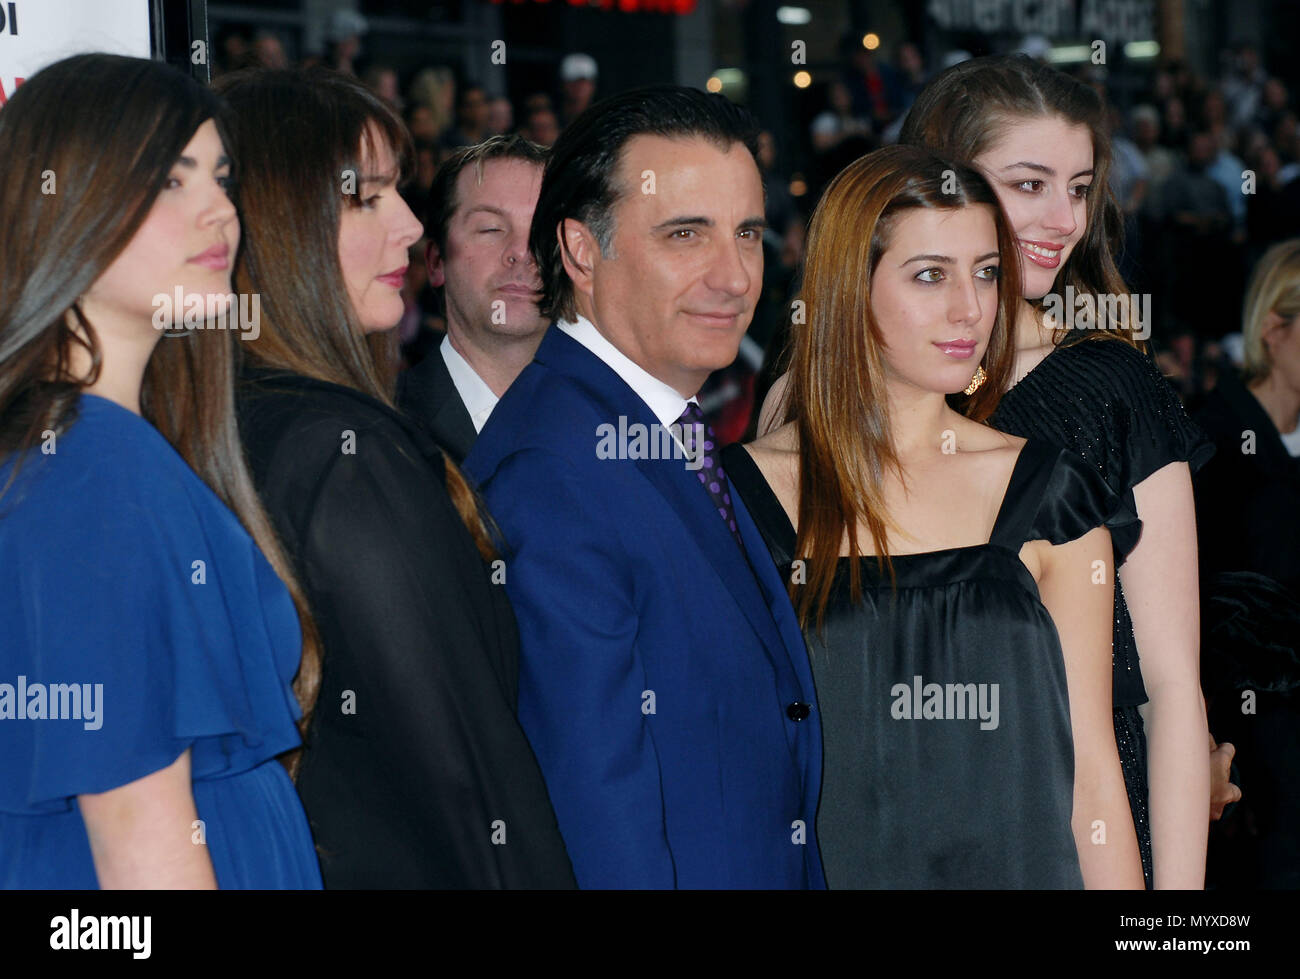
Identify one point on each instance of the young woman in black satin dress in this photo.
(1041, 139)
(954, 582)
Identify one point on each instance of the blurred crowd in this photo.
(1205, 169)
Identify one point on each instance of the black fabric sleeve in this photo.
(1076, 500)
(1149, 428)
(418, 772)
(1250, 635)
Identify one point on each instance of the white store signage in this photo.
(36, 33)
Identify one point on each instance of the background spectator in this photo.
(578, 84)
(471, 119)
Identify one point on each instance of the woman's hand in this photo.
(1222, 792)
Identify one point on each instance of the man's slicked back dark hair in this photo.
(579, 179)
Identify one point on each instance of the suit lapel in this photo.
(434, 397)
(679, 486)
(454, 427)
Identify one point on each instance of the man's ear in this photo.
(433, 262)
(578, 252)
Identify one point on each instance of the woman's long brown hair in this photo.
(110, 129)
(837, 395)
(964, 110)
(296, 133)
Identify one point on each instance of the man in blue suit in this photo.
(664, 683)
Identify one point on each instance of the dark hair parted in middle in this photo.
(111, 129)
(304, 141)
(579, 182)
(442, 193)
(964, 110)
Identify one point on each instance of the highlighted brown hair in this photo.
(837, 395)
(121, 125)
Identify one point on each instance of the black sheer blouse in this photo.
(1107, 403)
(416, 772)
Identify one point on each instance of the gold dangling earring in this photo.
(980, 377)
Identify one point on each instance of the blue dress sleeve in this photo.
(148, 624)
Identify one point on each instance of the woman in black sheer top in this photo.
(415, 771)
(1083, 382)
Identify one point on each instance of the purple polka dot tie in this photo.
(713, 479)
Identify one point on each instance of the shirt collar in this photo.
(662, 399)
(1292, 441)
(473, 390)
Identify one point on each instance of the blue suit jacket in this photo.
(656, 665)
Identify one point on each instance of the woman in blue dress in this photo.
(150, 631)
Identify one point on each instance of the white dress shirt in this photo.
(1291, 439)
(473, 390)
(661, 398)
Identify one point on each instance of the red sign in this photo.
(626, 6)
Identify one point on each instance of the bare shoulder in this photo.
(777, 457)
(773, 406)
(989, 449)
(994, 455)
(779, 444)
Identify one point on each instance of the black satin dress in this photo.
(1108, 404)
(928, 784)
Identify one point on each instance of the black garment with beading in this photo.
(1107, 403)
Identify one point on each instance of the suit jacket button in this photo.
(798, 711)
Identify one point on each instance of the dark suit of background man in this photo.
(664, 684)
(480, 208)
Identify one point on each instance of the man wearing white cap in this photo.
(344, 36)
(578, 76)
